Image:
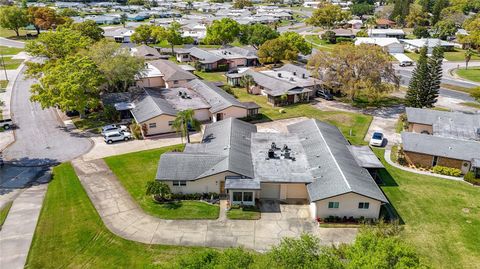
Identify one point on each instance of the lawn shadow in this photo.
(388, 211)
(172, 205)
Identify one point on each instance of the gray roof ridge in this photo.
(333, 157)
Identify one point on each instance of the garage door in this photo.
(270, 191)
(297, 191)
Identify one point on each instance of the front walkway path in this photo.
(125, 218)
(17, 231)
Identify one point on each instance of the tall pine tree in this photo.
(429, 97)
(426, 79)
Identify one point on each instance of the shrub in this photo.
(195, 196)
(111, 114)
(448, 171)
(344, 40)
(136, 131)
(470, 177)
(159, 190)
(329, 36)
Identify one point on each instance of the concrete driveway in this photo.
(123, 217)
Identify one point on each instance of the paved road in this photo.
(406, 76)
(41, 138)
(11, 43)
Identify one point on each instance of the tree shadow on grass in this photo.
(172, 205)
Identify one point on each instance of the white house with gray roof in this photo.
(218, 59)
(311, 163)
(442, 138)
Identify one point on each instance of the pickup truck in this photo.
(6, 124)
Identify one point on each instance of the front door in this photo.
(222, 187)
(219, 116)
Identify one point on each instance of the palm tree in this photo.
(247, 81)
(468, 57)
(185, 119)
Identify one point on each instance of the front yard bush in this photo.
(448, 171)
(470, 177)
(196, 196)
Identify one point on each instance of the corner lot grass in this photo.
(133, 170)
(9, 50)
(442, 217)
(11, 64)
(472, 73)
(70, 234)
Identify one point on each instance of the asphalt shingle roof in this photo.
(273, 86)
(441, 146)
(171, 71)
(332, 166)
(215, 96)
(151, 104)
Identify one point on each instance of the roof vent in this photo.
(303, 75)
(291, 79)
(279, 75)
(294, 73)
(273, 146)
(271, 154)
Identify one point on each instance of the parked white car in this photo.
(115, 136)
(113, 127)
(377, 139)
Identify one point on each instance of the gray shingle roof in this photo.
(298, 70)
(332, 166)
(171, 71)
(215, 96)
(448, 124)
(273, 86)
(242, 183)
(151, 104)
(146, 52)
(441, 146)
(204, 56)
(365, 157)
(225, 147)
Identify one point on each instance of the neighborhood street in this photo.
(41, 138)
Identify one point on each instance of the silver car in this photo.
(115, 136)
(112, 128)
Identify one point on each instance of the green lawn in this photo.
(70, 234)
(92, 122)
(471, 104)
(442, 217)
(11, 34)
(319, 43)
(9, 50)
(10, 64)
(245, 213)
(353, 126)
(3, 85)
(472, 73)
(456, 55)
(4, 212)
(211, 76)
(134, 170)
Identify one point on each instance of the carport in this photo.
(365, 158)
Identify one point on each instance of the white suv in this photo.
(113, 127)
(115, 136)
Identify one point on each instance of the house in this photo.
(219, 59)
(442, 138)
(146, 52)
(388, 44)
(345, 33)
(311, 4)
(395, 33)
(416, 44)
(355, 24)
(155, 108)
(279, 91)
(384, 23)
(164, 73)
(310, 164)
(120, 35)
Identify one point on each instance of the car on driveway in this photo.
(377, 139)
(113, 127)
(115, 136)
(325, 94)
(6, 124)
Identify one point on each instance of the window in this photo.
(179, 183)
(333, 204)
(170, 123)
(237, 196)
(248, 196)
(152, 125)
(435, 160)
(363, 205)
(175, 82)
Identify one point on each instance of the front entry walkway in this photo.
(125, 218)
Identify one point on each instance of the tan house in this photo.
(166, 74)
(156, 108)
(218, 59)
(146, 52)
(309, 164)
(441, 138)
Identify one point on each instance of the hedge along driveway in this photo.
(135, 169)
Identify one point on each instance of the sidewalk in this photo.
(389, 161)
(17, 231)
(123, 217)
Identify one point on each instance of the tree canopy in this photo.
(44, 18)
(13, 18)
(72, 83)
(352, 69)
(222, 32)
(275, 50)
(256, 34)
(240, 4)
(327, 15)
(143, 34)
(89, 29)
(296, 41)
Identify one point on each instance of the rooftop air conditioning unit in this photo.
(279, 75)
